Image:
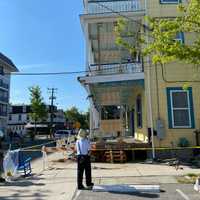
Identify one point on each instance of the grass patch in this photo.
(188, 178)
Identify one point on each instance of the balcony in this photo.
(4, 85)
(3, 114)
(4, 99)
(110, 6)
(115, 68)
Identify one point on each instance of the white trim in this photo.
(2, 88)
(169, 2)
(173, 109)
(112, 78)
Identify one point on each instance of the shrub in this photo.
(183, 142)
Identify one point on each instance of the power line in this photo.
(43, 73)
(120, 66)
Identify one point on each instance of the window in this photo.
(170, 1)
(180, 108)
(180, 37)
(139, 111)
(10, 117)
(110, 112)
(27, 117)
(20, 117)
(3, 110)
(1, 70)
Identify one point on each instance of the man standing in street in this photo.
(83, 159)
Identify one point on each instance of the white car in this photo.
(1, 135)
(62, 134)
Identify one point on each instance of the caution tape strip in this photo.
(147, 148)
(31, 148)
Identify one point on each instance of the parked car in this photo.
(62, 134)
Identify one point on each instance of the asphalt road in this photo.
(170, 192)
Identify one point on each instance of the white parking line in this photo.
(183, 194)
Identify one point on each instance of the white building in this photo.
(19, 117)
(114, 78)
(6, 67)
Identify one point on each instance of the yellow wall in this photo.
(155, 9)
(140, 133)
(174, 72)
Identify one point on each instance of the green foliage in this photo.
(161, 44)
(183, 142)
(74, 115)
(38, 108)
(185, 86)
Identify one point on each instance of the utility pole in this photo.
(52, 98)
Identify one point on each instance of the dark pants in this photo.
(84, 165)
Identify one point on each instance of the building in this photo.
(19, 119)
(6, 67)
(128, 96)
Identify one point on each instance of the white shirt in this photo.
(83, 146)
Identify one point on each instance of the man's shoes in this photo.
(90, 186)
(81, 188)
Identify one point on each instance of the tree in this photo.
(74, 115)
(38, 108)
(162, 45)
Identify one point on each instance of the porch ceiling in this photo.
(124, 89)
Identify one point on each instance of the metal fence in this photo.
(119, 68)
(95, 6)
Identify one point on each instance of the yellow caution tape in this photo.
(146, 148)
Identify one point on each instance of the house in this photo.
(6, 67)
(128, 96)
(19, 119)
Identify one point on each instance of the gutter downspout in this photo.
(149, 91)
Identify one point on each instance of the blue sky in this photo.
(44, 36)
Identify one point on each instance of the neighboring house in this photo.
(6, 67)
(19, 117)
(128, 96)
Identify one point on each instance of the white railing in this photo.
(119, 68)
(109, 6)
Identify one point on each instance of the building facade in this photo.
(128, 96)
(6, 67)
(19, 118)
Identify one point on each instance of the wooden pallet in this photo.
(115, 156)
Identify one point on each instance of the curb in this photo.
(75, 195)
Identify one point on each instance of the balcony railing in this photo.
(4, 85)
(4, 99)
(115, 68)
(109, 6)
(3, 114)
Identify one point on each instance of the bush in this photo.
(183, 142)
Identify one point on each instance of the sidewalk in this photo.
(56, 183)
(59, 181)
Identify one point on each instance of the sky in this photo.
(44, 36)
